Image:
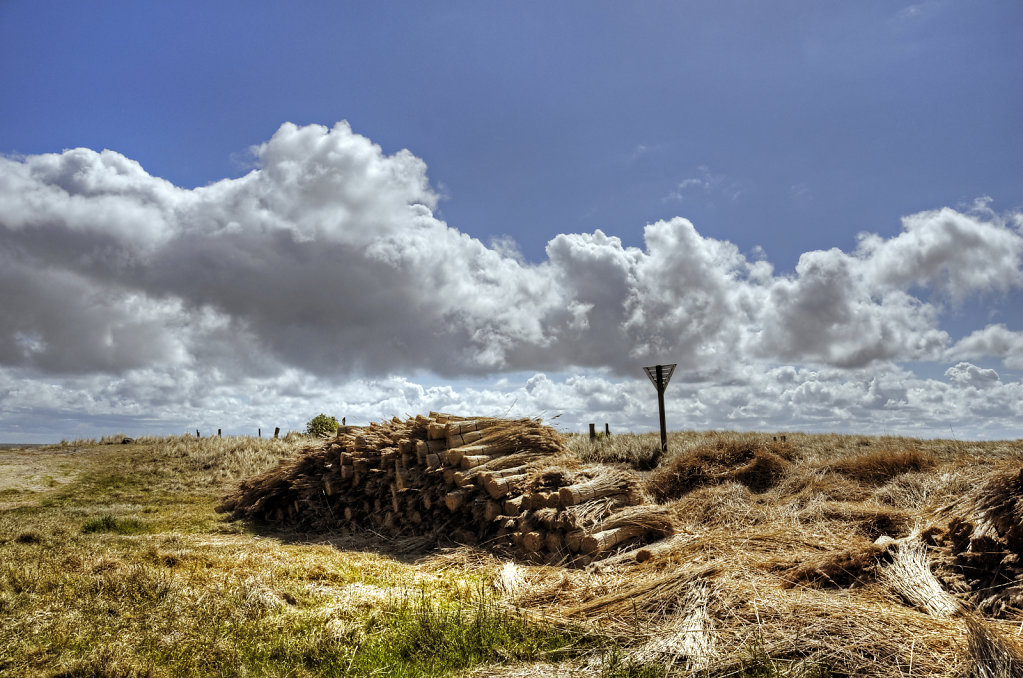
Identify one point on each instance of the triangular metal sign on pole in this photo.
(660, 375)
(666, 372)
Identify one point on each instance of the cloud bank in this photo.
(326, 265)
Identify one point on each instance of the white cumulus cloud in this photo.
(326, 263)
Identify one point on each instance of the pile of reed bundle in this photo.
(510, 483)
(397, 475)
(980, 554)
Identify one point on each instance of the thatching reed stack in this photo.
(508, 483)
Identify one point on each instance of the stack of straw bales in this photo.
(509, 483)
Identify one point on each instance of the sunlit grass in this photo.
(122, 567)
(128, 571)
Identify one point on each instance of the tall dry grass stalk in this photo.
(992, 654)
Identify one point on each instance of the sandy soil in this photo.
(30, 469)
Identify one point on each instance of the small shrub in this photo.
(762, 472)
(322, 425)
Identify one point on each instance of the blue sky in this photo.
(780, 129)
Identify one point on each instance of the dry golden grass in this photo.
(879, 466)
(121, 567)
(791, 554)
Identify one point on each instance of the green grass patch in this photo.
(616, 663)
(423, 637)
(114, 525)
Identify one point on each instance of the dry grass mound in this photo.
(744, 460)
(834, 569)
(718, 505)
(877, 468)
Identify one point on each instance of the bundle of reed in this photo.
(658, 549)
(661, 594)
(507, 436)
(606, 483)
(992, 654)
(841, 568)
(500, 475)
(594, 512)
(909, 576)
(686, 640)
(644, 521)
(468, 431)
(500, 484)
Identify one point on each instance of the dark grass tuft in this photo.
(114, 525)
(30, 537)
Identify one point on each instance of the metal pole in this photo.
(660, 409)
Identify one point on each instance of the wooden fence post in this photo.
(218, 433)
(607, 430)
(196, 433)
(593, 431)
(277, 431)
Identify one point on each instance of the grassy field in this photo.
(114, 562)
